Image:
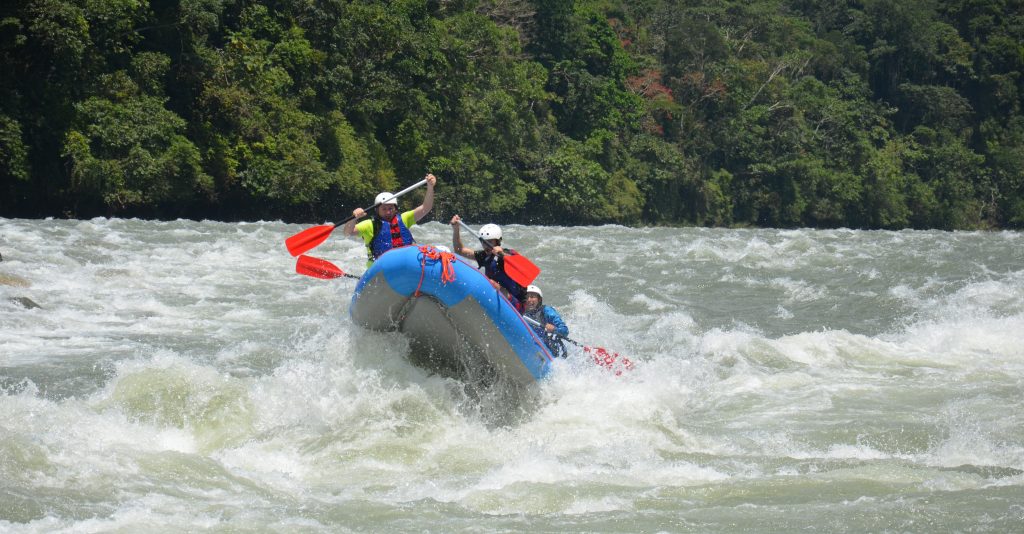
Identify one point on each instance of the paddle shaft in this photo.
(559, 336)
(373, 207)
(311, 238)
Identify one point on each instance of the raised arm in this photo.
(457, 246)
(423, 209)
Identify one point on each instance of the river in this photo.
(179, 376)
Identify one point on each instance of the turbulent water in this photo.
(180, 376)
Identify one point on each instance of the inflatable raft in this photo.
(457, 323)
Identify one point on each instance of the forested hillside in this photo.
(866, 114)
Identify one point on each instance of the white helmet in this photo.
(386, 198)
(490, 231)
(535, 289)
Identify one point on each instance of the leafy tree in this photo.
(127, 150)
(13, 152)
(579, 189)
(888, 187)
(862, 113)
(264, 146)
(956, 176)
(1005, 159)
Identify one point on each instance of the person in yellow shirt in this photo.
(387, 229)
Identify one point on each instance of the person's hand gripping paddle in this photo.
(517, 266)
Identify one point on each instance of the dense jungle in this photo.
(769, 113)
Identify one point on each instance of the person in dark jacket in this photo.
(491, 260)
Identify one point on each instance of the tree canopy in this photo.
(783, 113)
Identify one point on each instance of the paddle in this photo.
(311, 238)
(601, 355)
(318, 268)
(517, 266)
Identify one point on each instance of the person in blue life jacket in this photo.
(550, 327)
(491, 260)
(387, 229)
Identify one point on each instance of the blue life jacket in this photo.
(389, 234)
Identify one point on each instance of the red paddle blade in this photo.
(520, 269)
(611, 360)
(308, 239)
(317, 268)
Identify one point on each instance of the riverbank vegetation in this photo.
(865, 114)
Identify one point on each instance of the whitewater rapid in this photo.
(180, 376)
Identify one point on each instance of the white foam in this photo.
(180, 369)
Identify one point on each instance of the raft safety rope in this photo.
(429, 253)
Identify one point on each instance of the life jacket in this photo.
(388, 235)
(494, 270)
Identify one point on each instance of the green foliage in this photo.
(666, 179)
(936, 107)
(266, 144)
(717, 206)
(198, 19)
(1005, 154)
(579, 188)
(868, 113)
(888, 188)
(128, 151)
(59, 30)
(575, 182)
(13, 152)
(149, 71)
(353, 162)
(956, 175)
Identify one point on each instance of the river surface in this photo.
(179, 376)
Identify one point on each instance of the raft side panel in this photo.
(444, 316)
